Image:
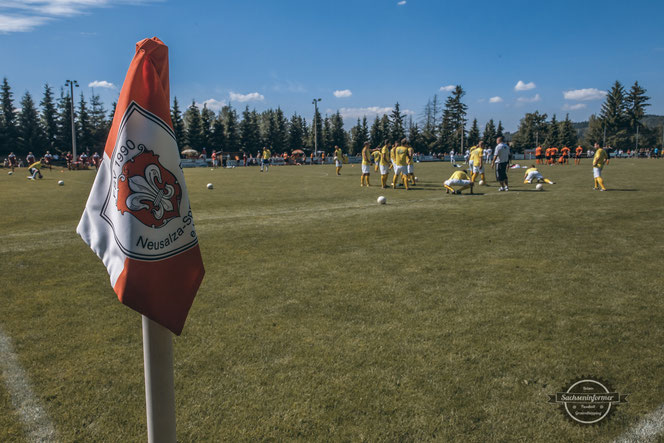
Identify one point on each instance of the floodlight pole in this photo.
(71, 84)
(315, 103)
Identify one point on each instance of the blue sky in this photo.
(371, 53)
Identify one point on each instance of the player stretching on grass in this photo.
(600, 159)
(533, 174)
(366, 165)
(458, 178)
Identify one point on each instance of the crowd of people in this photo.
(34, 166)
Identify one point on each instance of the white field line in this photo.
(649, 429)
(36, 423)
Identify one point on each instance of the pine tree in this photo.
(296, 133)
(194, 127)
(474, 134)
(552, 133)
(30, 136)
(452, 128)
(232, 130)
(317, 131)
(64, 121)
(500, 130)
(84, 137)
(8, 130)
(415, 137)
(207, 117)
(280, 126)
(250, 131)
(217, 139)
(397, 131)
(359, 134)
(489, 135)
(614, 117)
(328, 145)
(595, 132)
(178, 124)
(531, 131)
(568, 136)
(339, 137)
(49, 119)
(100, 126)
(376, 135)
(636, 102)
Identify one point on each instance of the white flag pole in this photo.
(159, 389)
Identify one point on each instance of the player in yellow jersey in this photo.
(477, 162)
(458, 178)
(599, 160)
(366, 164)
(410, 163)
(375, 155)
(338, 159)
(385, 161)
(34, 170)
(533, 174)
(400, 163)
(265, 159)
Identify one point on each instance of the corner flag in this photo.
(138, 219)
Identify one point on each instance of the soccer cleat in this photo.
(501, 189)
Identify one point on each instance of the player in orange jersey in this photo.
(577, 155)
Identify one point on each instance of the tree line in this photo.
(441, 127)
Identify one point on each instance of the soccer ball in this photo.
(381, 200)
(481, 182)
(61, 182)
(539, 186)
(210, 186)
(416, 179)
(10, 173)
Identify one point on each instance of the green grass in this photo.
(324, 316)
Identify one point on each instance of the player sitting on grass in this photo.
(458, 178)
(533, 174)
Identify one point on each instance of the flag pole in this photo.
(159, 389)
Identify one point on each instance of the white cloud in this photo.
(521, 86)
(401, 3)
(212, 104)
(251, 97)
(495, 99)
(568, 107)
(370, 111)
(584, 94)
(448, 88)
(343, 93)
(13, 23)
(101, 84)
(25, 15)
(533, 99)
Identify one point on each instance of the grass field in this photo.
(324, 316)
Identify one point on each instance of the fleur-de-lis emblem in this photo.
(147, 189)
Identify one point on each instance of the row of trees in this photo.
(440, 128)
(618, 124)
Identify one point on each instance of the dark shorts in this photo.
(501, 172)
(539, 157)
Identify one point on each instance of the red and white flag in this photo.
(138, 219)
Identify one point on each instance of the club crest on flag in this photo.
(148, 191)
(145, 206)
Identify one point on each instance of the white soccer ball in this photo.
(539, 186)
(481, 182)
(210, 186)
(417, 179)
(381, 200)
(10, 173)
(61, 182)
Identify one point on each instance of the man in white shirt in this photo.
(501, 160)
